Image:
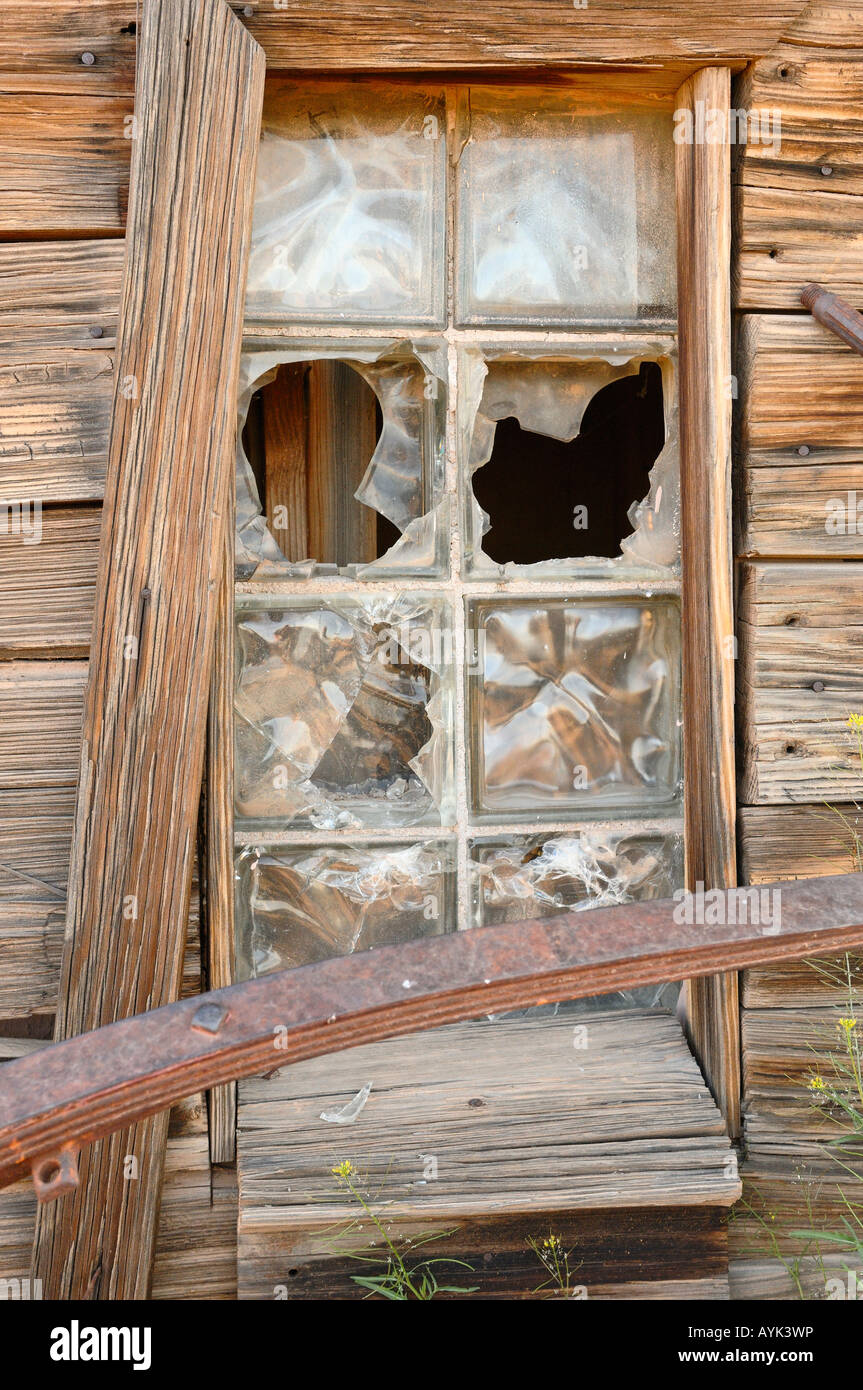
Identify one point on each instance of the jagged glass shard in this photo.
(300, 904)
(564, 216)
(343, 710)
(519, 877)
(349, 218)
(404, 480)
(348, 1114)
(573, 706)
(548, 397)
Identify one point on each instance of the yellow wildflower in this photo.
(855, 721)
(345, 1170)
(847, 1024)
(817, 1083)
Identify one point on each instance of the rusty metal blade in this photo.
(81, 1089)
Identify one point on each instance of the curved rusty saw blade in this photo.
(54, 1101)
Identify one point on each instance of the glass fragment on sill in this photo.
(349, 211)
(519, 877)
(564, 215)
(300, 904)
(349, 1114)
(404, 479)
(343, 711)
(573, 706)
(548, 397)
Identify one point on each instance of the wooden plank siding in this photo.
(799, 454)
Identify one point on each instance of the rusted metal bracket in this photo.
(834, 313)
(54, 1101)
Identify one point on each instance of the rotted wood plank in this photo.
(703, 241)
(48, 588)
(197, 111)
(799, 676)
(64, 163)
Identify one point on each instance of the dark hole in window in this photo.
(548, 499)
(309, 436)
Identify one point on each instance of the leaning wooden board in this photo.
(170, 465)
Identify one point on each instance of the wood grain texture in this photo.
(782, 240)
(341, 438)
(35, 842)
(47, 589)
(31, 940)
(42, 43)
(58, 294)
(285, 414)
(64, 163)
(798, 386)
(703, 240)
(388, 35)
(525, 1129)
(195, 1254)
(784, 512)
(40, 715)
(197, 107)
(800, 676)
(782, 1050)
(219, 805)
(55, 411)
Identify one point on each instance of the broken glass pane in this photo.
(516, 878)
(563, 215)
(573, 706)
(349, 217)
(299, 904)
(343, 709)
(573, 459)
(402, 482)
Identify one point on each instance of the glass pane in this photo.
(343, 712)
(564, 215)
(349, 219)
(574, 706)
(298, 904)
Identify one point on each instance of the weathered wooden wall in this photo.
(799, 447)
(64, 160)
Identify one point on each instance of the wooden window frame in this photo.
(703, 184)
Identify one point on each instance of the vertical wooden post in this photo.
(340, 443)
(285, 459)
(704, 269)
(170, 466)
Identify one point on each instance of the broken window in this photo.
(457, 608)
